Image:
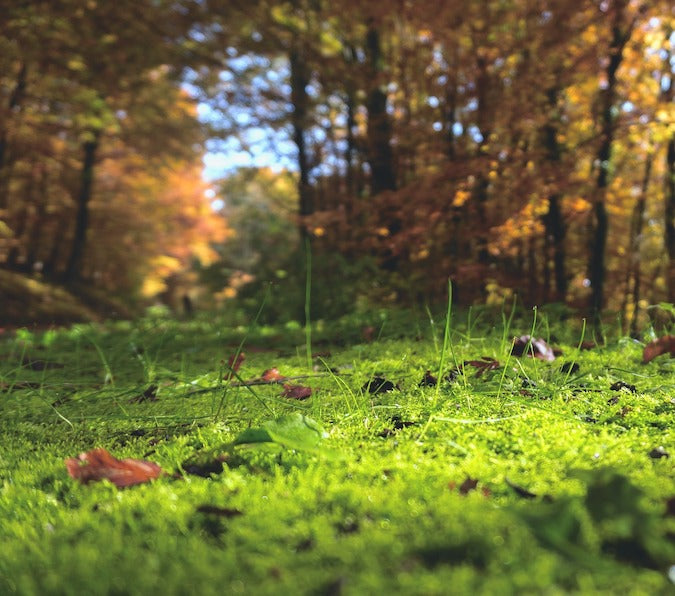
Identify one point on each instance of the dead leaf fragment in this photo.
(296, 391)
(150, 394)
(619, 385)
(428, 380)
(532, 346)
(272, 375)
(662, 345)
(521, 491)
(378, 384)
(484, 364)
(98, 464)
(233, 363)
(658, 453)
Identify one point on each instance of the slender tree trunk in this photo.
(636, 233)
(73, 268)
(380, 154)
(599, 226)
(553, 220)
(300, 101)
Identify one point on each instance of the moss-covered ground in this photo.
(526, 476)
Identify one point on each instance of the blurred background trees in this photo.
(515, 146)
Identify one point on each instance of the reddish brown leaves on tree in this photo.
(296, 391)
(233, 363)
(532, 346)
(98, 464)
(662, 345)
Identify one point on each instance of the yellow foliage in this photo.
(461, 197)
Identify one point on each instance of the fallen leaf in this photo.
(520, 490)
(536, 347)
(484, 364)
(619, 385)
(272, 375)
(150, 394)
(398, 424)
(98, 464)
(467, 486)
(296, 391)
(233, 363)
(204, 467)
(569, 368)
(378, 385)
(662, 345)
(658, 453)
(293, 431)
(428, 380)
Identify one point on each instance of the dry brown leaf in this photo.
(662, 345)
(537, 347)
(272, 375)
(98, 464)
(233, 363)
(296, 391)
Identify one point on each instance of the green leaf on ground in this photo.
(294, 431)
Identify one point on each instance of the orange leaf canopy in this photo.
(98, 464)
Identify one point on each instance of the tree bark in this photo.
(553, 220)
(599, 224)
(380, 154)
(300, 101)
(75, 260)
(636, 233)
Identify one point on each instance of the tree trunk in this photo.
(636, 232)
(380, 154)
(553, 220)
(599, 224)
(300, 101)
(74, 264)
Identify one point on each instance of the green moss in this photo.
(569, 494)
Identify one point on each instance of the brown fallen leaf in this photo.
(484, 364)
(662, 345)
(150, 394)
(272, 375)
(296, 391)
(537, 347)
(98, 464)
(233, 363)
(428, 380)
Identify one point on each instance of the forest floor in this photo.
(394, 455)
(27, 300)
